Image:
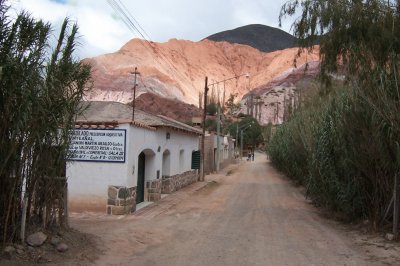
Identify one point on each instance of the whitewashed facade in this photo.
(157, 159)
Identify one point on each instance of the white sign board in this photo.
(99, 145)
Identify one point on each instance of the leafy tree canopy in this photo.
(351, 136)
(41, 88)
(252, 132)
(211, 108)
(359, 36)
(232, 107)
(360, 39)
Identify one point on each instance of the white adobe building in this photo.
(117, 163)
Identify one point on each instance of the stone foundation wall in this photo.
(176, 182)
(121, 200)
(152, 190)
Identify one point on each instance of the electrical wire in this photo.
(122, 11)
(126, 12)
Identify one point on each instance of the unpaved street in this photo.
(249, 215)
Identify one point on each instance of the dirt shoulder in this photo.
(248, 215)
(82, 249)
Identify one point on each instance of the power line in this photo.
(131, 27)
(120, 10)
(129, 13)
(127, 18)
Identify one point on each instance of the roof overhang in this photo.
(197, 133)
(109, 124)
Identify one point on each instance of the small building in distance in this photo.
(116, 163)
(226, 152)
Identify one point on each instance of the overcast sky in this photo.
(102, 31)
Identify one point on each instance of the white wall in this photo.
(179, 141)
(154, 140)
(91, 179)
(88, 181)
(166, 164)
(221, 148)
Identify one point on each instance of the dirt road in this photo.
(250, 216)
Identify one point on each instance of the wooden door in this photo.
(140, 181)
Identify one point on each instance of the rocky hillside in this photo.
(177, 69)
(157, 105)
(264, 38)
(271, 100)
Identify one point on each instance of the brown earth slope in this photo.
(157, 105)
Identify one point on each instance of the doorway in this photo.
(140, 179)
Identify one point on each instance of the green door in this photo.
(140, 181)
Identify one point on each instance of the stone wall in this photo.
(121, 200)
(152, 190)
(176, 182)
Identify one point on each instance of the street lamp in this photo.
(218, 122)
(242, 128)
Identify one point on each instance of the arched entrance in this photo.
(147, 172)
(141, 178)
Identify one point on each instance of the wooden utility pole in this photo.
(200, 100)
(134, 94)
(202, 174)
(256, 108)
(223, 99)
(218, 136)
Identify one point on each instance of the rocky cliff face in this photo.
(271, 102)
(177, 69)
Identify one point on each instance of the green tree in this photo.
(358, 38)
(211, 108)
(252, 133)
(232, 107)
(267, 132)
(39, 100)
(350, 137)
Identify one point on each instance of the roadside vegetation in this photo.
(41, 87)
(252, 131)
(343, 142)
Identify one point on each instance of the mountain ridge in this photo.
(192, 62)
(262, 37)
(177, 69)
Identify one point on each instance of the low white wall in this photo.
(88, 181)
(157, 142)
